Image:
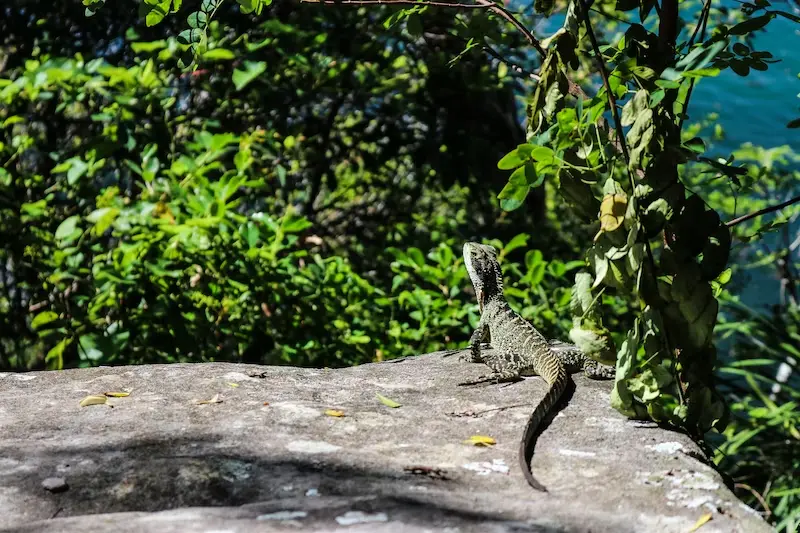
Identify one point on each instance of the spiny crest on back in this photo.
(484, 271)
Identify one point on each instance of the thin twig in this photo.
(481, 4)
(514, 66)
(757, 496)
(702, 24)
(764, 211)
(604, 75)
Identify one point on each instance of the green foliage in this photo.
(761, 446)
(154, 215)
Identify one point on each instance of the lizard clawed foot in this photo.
(467, 357)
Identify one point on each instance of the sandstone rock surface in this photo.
(269, 458)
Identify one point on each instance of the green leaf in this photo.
(68, 230)
(751, 25)
(55, 356)
(197, 20)
(76, 170)
(43, 319)
(88, 348)
(387, 402)
(515, 191)
(512, 160)
(517, 242)
(219, 54)
(581, 298)
(188, 37)
(156, 12)
(102, 219)
(416, 255)
(252, 69)
(634, 107)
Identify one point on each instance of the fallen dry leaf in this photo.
(387, 402)
(334, 412)
(700, 521)
(117, 394)
(266, 403)
(93, 399)
(480, 440)
(214, 399)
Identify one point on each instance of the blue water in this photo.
(757, 108)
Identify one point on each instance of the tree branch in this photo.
(604, 75)
(770, 209)
(481, 4)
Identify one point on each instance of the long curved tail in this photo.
(558, 384)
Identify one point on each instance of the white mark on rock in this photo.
(748, 509)
(685, 499)
(576, 453)
(312, 493)
(22, 377)
(695, 481)
(485, 468)
(283, 515)
(643, 423)
(12, 466)
(237, 377)
(296, 411)
(312, 446)
(606, 423)
(357, 517)
(666, 447)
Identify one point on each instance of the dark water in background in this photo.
(756, 109)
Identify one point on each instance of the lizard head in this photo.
(484, 271)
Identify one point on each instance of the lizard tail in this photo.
(558, 385)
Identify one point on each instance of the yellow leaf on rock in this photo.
(387, 402)
(480, 440)
(700, 521)
(93, 399)
(233, 385)
(117, 394)
(334, 412)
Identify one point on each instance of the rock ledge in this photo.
(269, 458)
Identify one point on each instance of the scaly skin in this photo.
(519, 348)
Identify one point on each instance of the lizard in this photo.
(519, 348)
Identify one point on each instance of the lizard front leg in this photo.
(474, 355)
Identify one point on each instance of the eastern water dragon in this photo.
(519, 349)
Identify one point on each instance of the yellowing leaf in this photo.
(214, 399)
(93, 399)
(612, 212)
(233, 385)
(387, 402)
(116, 394)
(334, 412)
(700, 521)
(480, 440)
